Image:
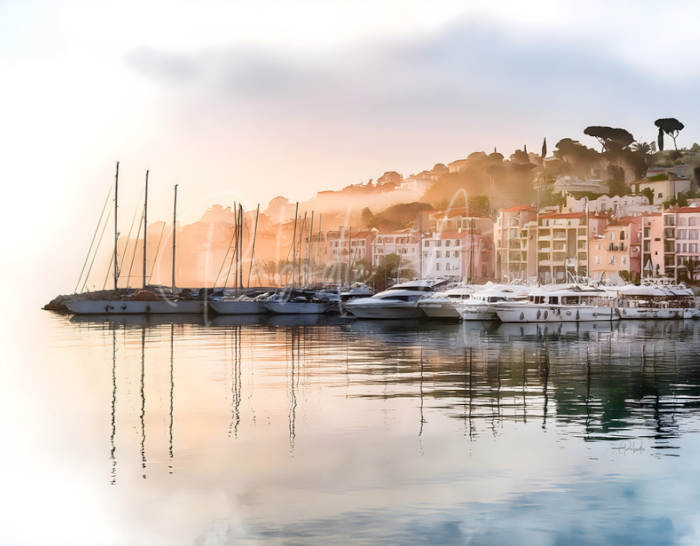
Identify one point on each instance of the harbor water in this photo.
(186, 430)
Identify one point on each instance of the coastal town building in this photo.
(615, 251)
(616, 206)
(405, 243)
(681, 242)
(567, 184)
(462, 255)
(515, 239)
(666, 186)
(350, 247)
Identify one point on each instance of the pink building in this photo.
(615, 251)
(653, 245)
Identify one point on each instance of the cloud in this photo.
(471, 71)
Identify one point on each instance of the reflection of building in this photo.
(617, 249)
(515, 237)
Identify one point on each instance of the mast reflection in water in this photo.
(404, 430)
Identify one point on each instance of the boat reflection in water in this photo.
(405, 424)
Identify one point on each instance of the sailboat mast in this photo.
(240, 247)
(252, 248)
(116, 233)
(145, 228)
(174, 234)
(309, 247)
(318, 254)
(294, 242)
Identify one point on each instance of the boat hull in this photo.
(555, 313)
(296, 308)
(436, 309)
(238, 307)
(477, 312)
(385, 311)
(128, 307)
(659, 313)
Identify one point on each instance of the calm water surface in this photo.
(137, 431)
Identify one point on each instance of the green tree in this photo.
(649, 194)
(609, 135)
(671, 127)
(616, 180)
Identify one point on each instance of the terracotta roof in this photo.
(520, 208)
(563, 215)
(340, 234)
(683, 209)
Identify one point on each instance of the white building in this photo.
(404, 243)
(617, 206)
(665, 186)
(443, 255)
(567, 184)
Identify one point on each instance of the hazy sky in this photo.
(247, 100)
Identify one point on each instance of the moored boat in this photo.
(397, 302)
(481, 305)
(573, 304)
(442, 304)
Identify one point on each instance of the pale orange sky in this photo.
(247, 100)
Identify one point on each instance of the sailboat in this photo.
(141, 301)
(295, 301)
(240, 304)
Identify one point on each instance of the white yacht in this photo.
(398, 302)
(442, 304)
(481, 305)
(653, 300)
(571, 304)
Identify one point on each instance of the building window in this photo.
(624, 260)
(611, 235)
(438, 254)
(437, 267)
(597, 260)
(691, 221)
(447, 267)
(456, 253)
(622, 235)
(612, 260)
(447, 243)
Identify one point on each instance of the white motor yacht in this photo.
(572, 304)
(442, 304)
(481, 305)
(654, 300)
(398, 302)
